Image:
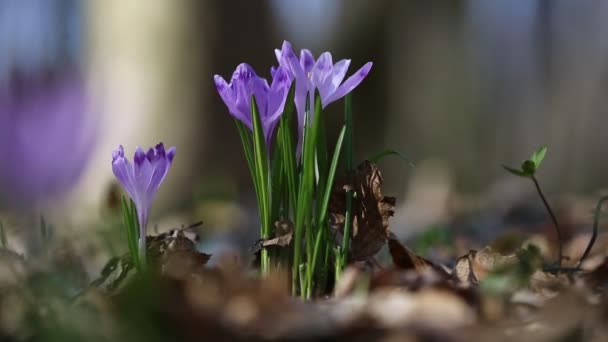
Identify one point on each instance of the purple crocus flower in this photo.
(269, 98)
(142, 179)
(322, 75)
(46, 135)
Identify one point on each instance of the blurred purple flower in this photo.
(322, 75)
(45, 136)
(142, 179)
(270, 99)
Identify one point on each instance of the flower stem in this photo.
(143, 222)
(553, 218)
(348, 121)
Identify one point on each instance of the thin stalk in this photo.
(263, 181)
(553, 218)
(348, 222)
(277, 177)
(321, 161)
(325, 267)
(304, 200)
(288, 150)
(304, 220)
(142, 240)
(348, 119)
(245, 135)
(131, 227)
(302, 271)
(322, 233)
(337, 264)
(596, 222)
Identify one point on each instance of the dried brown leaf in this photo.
(281, 241)
(371, 210)
(405, 259)
(598, 278)
(474, 266)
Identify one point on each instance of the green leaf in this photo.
(391, 152)
(260, 159)
(321, 162)
(305, 194)
(331, 176)
(277, 177)
(515, 171)
(528, 167)
(245, 135)
(348, 121)
(287, 148)
(538, 156)
(348, 220)
(132, 230)
(321, 235)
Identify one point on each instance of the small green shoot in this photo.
(529, 166)
(528, 170)
(131, 225)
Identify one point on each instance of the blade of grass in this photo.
(260, 159)
(305, 199)
(311, 163)
(348, 120)
(142, 259)
(391, 152)
(131, 231)
(277, 180)
(321, 161)
(322, 234)
(245, 135)
(285, 139)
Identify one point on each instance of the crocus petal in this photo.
(322, 68)
(142, 172)
(339, 71)
(225, 91)
(278, 97)
(321, 74)
(307, 61)
(122, 171)
(160, 167)
(170, 154)
(351, 83)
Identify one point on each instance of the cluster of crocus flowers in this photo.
(293, 183)
(141, 180)
(309, 75)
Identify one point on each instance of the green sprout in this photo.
(528, 170)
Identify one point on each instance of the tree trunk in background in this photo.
(146, 61)
(483, 83)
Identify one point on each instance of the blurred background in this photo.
(458, 86)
